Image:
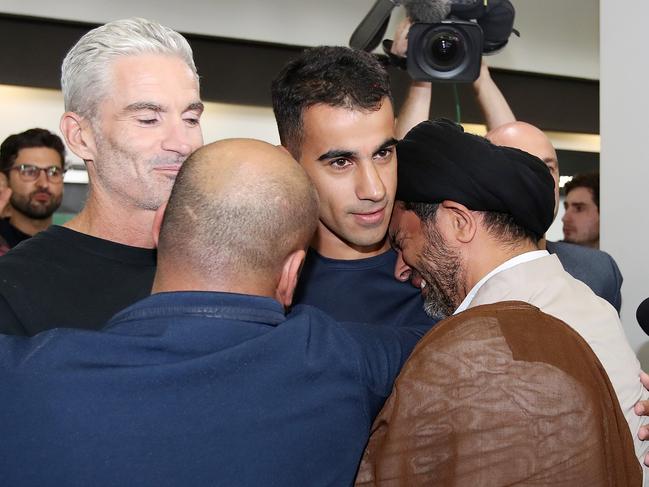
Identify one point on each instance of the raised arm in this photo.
(491, 100)
(416, 107)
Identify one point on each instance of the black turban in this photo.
(438, 161)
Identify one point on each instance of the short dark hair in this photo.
(334, 76)
(28, 139)
(500, 226)
(588, 180)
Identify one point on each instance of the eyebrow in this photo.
(144, 105)
(336, 153)
(197, 106)
(156, 107)
(578, 204)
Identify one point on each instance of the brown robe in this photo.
(501, 394)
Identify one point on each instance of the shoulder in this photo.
(570, 253)
(40, 247)
(594, 267)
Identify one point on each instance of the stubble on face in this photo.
(144, 129)
(442, 270)
(114, 158)
(581, 219)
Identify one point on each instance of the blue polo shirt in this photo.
(196, 389)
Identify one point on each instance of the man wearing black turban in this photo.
(511, 388)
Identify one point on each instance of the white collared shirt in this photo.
(519, 259)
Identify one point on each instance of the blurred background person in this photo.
(34, 164)
(5, 194)
(581, 219)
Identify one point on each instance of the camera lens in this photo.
(445, 50)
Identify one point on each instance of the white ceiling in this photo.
(557, 36)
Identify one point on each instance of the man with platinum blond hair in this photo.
(133, 115)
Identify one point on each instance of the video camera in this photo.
(447, 38)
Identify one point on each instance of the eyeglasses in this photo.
(30, 173)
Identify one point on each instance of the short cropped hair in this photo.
(85, 71)
(334, 76)
(29, 138)
(585, 180)
(501, 226)
(246, 230)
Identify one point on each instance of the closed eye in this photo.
(192, 122)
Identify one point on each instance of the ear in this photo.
(157, 222)
(288, 278)
(462, 221)
(402, 271)
(78, 135)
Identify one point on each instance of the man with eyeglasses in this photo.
(34, 163)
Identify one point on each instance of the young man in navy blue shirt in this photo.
(335, 115)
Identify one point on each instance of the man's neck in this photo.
(493, 257)
(106, 219)
(332, 247)
(173, 277)
(27, 225)
(593, 245)
(484, 267)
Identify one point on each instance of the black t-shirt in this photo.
(63, 278)
(11, 234)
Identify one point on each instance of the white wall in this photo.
(557, 36)
(624, 163)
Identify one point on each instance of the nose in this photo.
(369, 185)
(41, 180)
(402, 271)
(180, 139)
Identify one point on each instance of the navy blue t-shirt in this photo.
(361, 290)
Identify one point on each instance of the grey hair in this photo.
(84, 73)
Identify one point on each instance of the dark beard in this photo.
(37, 212)
(441, 268)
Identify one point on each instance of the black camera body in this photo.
(447, 39)
(450, 50)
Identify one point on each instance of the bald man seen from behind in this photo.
(208, 381)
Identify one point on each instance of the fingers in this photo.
(400, 43)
